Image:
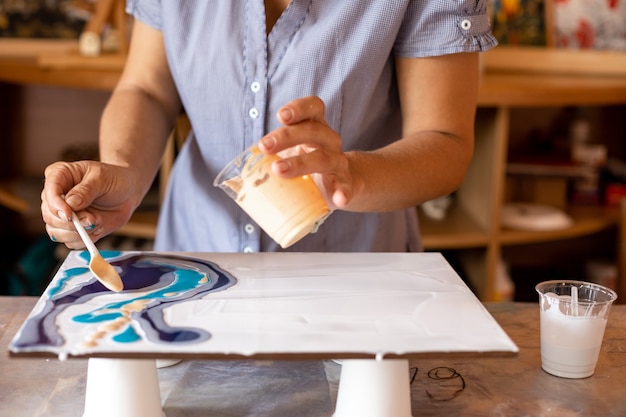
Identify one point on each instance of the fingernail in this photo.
(74, 200)
(62, 216)
(285, 114)
(268, 142)
(281, 166)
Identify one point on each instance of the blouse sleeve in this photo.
(439, 27)
(147, 11)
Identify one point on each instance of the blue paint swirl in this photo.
(128, 335)
(162, 279)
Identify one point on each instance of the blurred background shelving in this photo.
(514, 96)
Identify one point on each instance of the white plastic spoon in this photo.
(102, 270)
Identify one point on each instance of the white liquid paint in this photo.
(570, 346)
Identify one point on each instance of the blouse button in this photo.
(255, 87)
(466, 24)
(247, 249)
(249, 228)
(253, 112)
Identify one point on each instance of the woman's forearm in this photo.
(409, 172)
(133, 134)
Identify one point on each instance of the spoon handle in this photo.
(91, 247)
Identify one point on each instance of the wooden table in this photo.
(515, 386)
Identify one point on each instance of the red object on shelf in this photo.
(614, 193)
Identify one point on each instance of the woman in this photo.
(377, 98)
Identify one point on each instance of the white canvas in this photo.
(263, 304)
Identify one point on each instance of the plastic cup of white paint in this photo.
(573, 316)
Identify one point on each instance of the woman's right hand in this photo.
(102, 195)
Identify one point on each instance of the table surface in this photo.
(484, 386)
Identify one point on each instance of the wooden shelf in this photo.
(525, 78)
(587, 220)
(529, 90)
(456, 231)
(513, 77)
(57, 63)
(141, 225)
(531, 76)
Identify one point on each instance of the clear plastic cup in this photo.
(287, 209)
(573, 316)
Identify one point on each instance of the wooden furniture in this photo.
(105, 12)
(513, 79)
(440, 386)
(58, 63)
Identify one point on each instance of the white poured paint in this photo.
(570, 343)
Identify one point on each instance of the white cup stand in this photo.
(374, 388)
(122, 388)
(130, 388)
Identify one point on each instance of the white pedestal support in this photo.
(374, 388)
(122, 388)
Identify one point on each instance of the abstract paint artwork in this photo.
(261, 304)
(584, 24)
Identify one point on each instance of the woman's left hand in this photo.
(310, 147)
